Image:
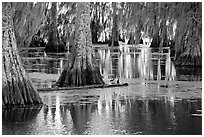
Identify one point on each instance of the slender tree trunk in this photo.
(81, 69)
(17, 88)
(115, 26)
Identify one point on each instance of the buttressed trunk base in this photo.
(81, 69)
(17, 89)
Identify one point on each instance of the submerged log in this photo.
(83, 87)
(17, 88)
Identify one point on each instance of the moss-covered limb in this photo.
(17, 89)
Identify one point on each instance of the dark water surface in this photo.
(111, 111)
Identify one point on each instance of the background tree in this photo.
(81, 69)
(177, 25)
(188, 37)
(95, 21)
(17, 88)
(115, 34)
(66, 22)
(55, 43)
(101, 20)
(28, 19)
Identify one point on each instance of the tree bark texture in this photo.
(81, 69)
(17, 88)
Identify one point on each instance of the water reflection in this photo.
(141, 108)
(19, 114)
(136, 62)
(125, 61)
(19, 120)
(108, 111)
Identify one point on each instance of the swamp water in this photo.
(147, 106)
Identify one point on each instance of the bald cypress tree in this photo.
(17, 88)
(81, 69)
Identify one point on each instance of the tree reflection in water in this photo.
(126, 110)
(107, 112)
(140, 61)
(19, 114)
(19, 120)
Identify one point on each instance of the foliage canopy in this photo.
(180, 22)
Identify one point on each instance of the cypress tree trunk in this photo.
(17, 88)
(81, 69)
